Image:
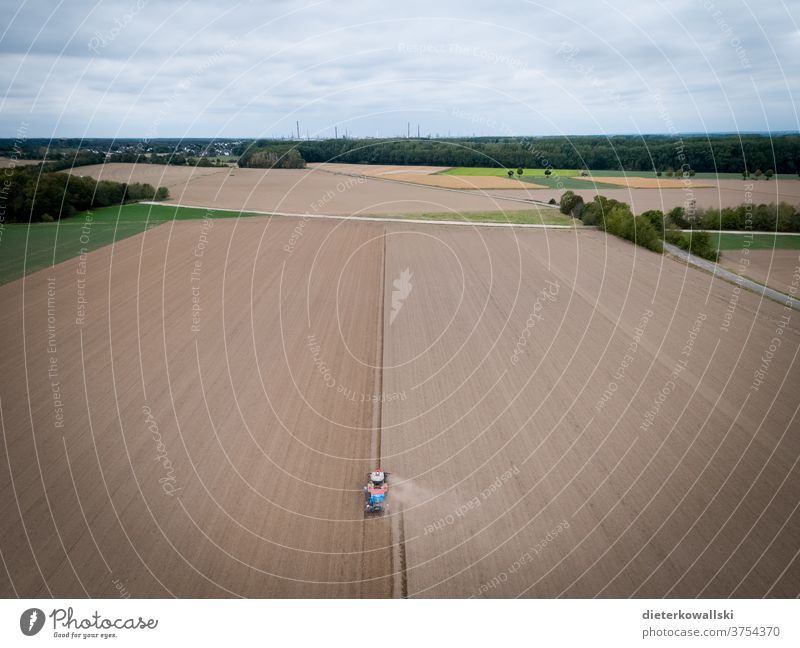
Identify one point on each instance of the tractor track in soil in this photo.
(396, 520)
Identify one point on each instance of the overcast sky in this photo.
(134, 68)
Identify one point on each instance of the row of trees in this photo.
(651, 227)
(781, 217)
(28, 196)
(614, 217)
(697, 242)
(170, 159)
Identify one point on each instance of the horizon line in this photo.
(764, 133)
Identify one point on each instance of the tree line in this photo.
(656, 153)
(58, 162)
(31, 194)
(726, 153)
(652, 227)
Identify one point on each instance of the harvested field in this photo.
(727, 193)
(444, 177)
(298, 191)
(765, 191)
(175, 178)
(773, 268)
(635, 182)
(428, 175)
(6, 163)
(375, 170)
(464, 182)
(227, 459)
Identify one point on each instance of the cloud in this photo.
(250, 68)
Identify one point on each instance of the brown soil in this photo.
(507, 479)
(159, 175)
(775, 268)
(5, 163)
(375, 170)
(298, 191)
(464, 182)
(426, 176)
(729, 193)
(635, 182)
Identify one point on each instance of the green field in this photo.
(568, 182)
(760, 241)
(560, 179)
(27, 248)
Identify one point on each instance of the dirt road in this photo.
(192, 413)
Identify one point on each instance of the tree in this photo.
(519, 172)
(655, 217)
(566, 202)
(571, 204)
(592, 213)
(621, 222)
(547, 172)
(677, 216)
(510, 173)
(658, 174)
(769, 173)
(700, 245)
(745, 174)
(759, 173)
